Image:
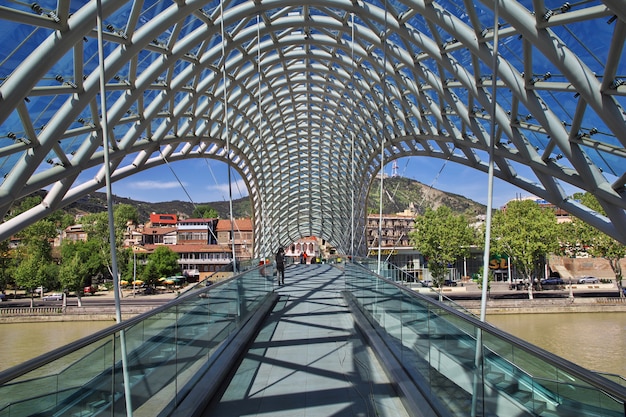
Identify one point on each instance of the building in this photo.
(244, 236)
(159, 236)
(197, 261)
(73, 233)
(203, 245)
(160, 220)
(197, 231)
(309, 245)
(395, 245)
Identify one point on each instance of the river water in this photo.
(20, 342)
(596, 341)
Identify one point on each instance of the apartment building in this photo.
(394, 244)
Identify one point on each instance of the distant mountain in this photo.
(96, 202)
(399, 194)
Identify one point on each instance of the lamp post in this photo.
(134, 270)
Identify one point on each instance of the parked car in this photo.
(449, 283)
(53, 297)
(552, 281)
(588, 280)
(426, 283)
(3, 296)
(90, 290)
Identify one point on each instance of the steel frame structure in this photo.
(312, 97)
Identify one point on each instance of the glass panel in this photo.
(469, 367)
(166, 353)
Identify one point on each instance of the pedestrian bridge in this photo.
(335, 340)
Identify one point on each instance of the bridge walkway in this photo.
(309, 359)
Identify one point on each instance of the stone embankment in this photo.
(70, 313)
(87, 312)
(548, 305)
(503, 300)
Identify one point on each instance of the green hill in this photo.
(399, 194)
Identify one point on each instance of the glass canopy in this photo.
(314, 97)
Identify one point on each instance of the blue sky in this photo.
(207, 181)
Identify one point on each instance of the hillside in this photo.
(400, 193)
(96, 202)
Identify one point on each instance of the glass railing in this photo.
(166, 349)
(397, 275)
(466, 367)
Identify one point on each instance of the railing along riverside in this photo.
(397, 275)
(31, 311)
(169, 348)
(468, 367)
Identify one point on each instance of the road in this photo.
(98, 299)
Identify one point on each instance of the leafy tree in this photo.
(80, 262)
(129, 268)
(35, 271)
(442, 237)
(579, 236)
(525, 231)
(478, 278)
(25, 205)
(204, 212)
(28, 276)
(163, 262)
(32, 264)
(97, 228)
(35, 265)
(6, 265)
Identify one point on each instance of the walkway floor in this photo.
(309, 359)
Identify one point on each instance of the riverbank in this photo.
(467, 297)
(103, 310)
(547, 305)
(580, 298)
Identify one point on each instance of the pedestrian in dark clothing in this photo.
(280, 266)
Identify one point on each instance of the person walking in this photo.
(280, 266)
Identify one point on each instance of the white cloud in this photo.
(148, 184)
(217, 191)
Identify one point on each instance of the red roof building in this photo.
(160, 220)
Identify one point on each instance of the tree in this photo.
(79, 262)
(442, 237)
(579, 236)
(204, 212)
(525, 232)
(97, 228)
(35, 265)
(478, 278)
(6, 265)
(163, 262)
(32, 265)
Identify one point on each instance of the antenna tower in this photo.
(394, 169)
